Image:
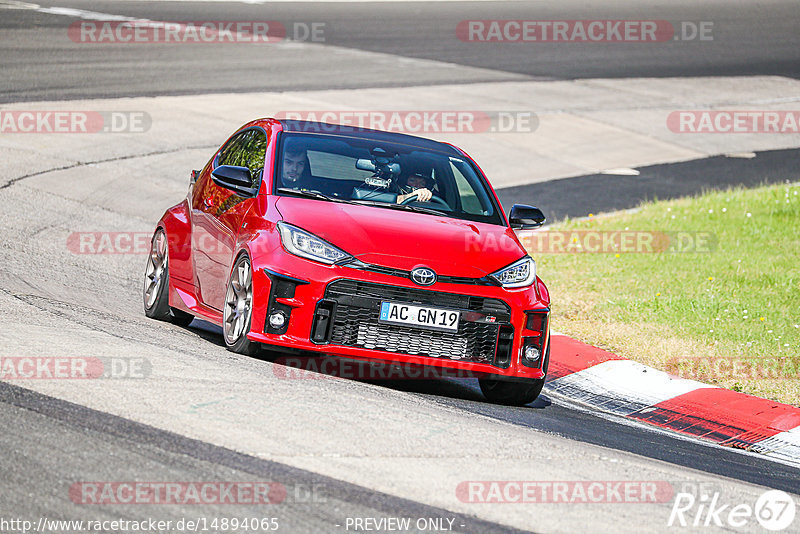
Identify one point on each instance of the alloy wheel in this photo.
(155, 272)
(238, 302)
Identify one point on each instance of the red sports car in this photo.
(360, 244)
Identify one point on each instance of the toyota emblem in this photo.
(423, 276)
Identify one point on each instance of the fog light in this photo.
(277, 320)
(531, 353)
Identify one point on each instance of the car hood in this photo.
(404, 239)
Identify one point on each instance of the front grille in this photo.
(356, 309)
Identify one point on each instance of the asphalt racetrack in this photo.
(349, 453)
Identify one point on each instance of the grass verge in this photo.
(707, 287)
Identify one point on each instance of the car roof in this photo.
(297, 126)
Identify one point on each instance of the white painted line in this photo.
(87, 15)
(321, 1)
(12, 4)
(285, 43)
(67, 12)
(622, 386)
(621, 171)
(92, 15)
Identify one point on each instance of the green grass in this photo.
(739, 301)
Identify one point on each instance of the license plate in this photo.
(411, 315)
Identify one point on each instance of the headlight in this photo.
(306, 245)
(521, 273)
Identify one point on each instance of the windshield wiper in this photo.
(310, 194)
(405, 207)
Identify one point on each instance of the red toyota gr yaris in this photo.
(356, 243)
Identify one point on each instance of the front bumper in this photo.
(334, 310)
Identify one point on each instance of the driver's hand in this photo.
(423, 194)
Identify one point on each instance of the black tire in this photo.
(510, 393)
(514, 393)
(158, 307)
(235, 334)
(156, 279)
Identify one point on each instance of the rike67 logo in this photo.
(774, 510)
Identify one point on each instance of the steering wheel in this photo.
(412, 197)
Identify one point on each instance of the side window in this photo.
(248, 149)
(229, 152)
(470, 202)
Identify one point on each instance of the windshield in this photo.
(384, 175)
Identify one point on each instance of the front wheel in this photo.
(238, 309)
(514, 393)
(156, 284)
(511, 393)
(156, 279)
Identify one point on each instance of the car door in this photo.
(217, 214)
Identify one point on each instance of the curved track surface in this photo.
(200, 413)
(363, 41)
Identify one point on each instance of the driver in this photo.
(296, 171)
(417, 184)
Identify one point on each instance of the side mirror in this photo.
(524, 217)
(237, 179)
